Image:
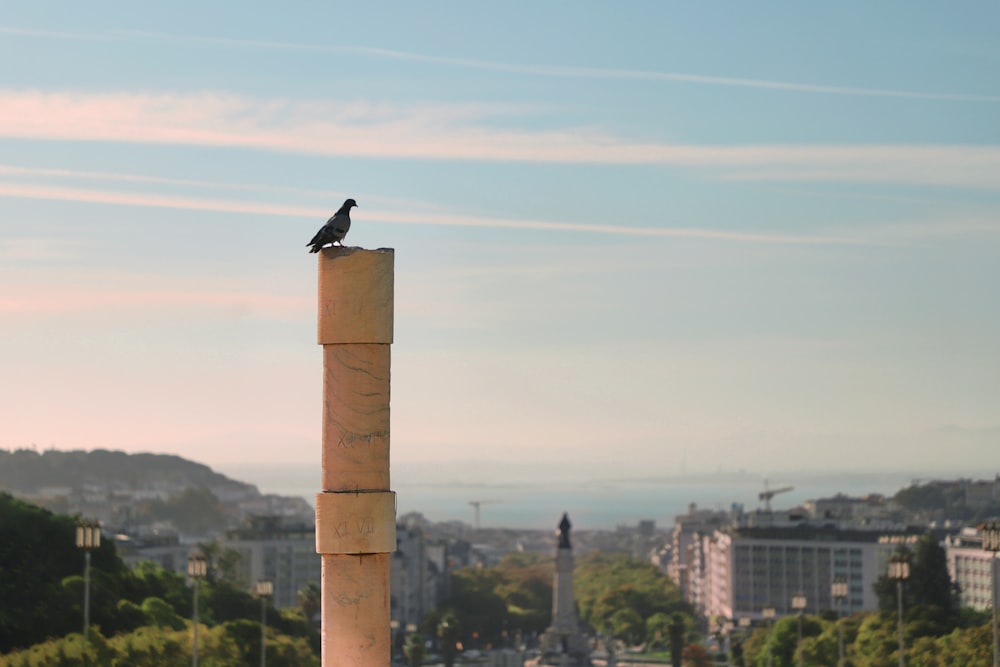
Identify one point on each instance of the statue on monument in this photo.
(564, 527)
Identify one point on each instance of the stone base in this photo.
(558, 648)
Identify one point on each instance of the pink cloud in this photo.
(41, 300)
(459, 132)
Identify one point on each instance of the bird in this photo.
(335, 229)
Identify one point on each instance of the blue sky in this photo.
(758, 236)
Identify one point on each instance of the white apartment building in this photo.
(283, 554)
(418, 576)
(749, 569)
(686, 566)
(972, 570)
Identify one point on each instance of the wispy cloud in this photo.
(674, 77)
(52, 34)
(113, 177)
(531, 69)
(572, 72)
(37, 248)
(63, 299)
(461, 133)
(101, 196)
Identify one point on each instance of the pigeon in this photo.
(335, 228)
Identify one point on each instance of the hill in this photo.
(27, 471)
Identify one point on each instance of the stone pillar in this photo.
(564, 619)
(562, 643)
(356, 512)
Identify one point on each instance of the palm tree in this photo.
(414, 649)
(448, 631)
(310, 601)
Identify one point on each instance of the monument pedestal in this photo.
(563, 644)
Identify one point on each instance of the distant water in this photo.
(591, 503)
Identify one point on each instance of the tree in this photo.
(605, 583)
(658, 630)
(626, 624)
(223, 563)
(149, 580)
(310, 600)
(159, 614)
(474, 599)
(414, 649)
(696, 655)
(876, 642)
(526, 588)
(223, 601)
(822, 648)
(449, 630)
(783, 642)
(930, 583)
(927, 593)
(41, 586)
(42, 593)
(678, 624)
(755, 646)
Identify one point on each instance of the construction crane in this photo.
(767, 494)
(477, 503)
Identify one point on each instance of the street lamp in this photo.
(991, 543)
(197, 569)
(839, 590)
(768, 613)
(263, 589)
(395, 634)
(899, 569)
(88, 538)
(799, 604)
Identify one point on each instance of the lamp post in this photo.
(899, 569)
(768, 613)
(395, 634)
(838, 590)
(263, 589)
(197, 569)
(991, 543)
(88, 538)
(799, 605)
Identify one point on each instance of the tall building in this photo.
(418, 577)
(686, 566)
(749, 569)
(283, 553)
(972, 569)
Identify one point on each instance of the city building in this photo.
(870, 511)
(686, 565)
(163, 548)
(971, 569)
(418, 577)
(273, 549)
(746, 570)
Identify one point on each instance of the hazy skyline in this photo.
(653, 237)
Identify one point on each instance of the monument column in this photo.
(562, 643)
(563, 601)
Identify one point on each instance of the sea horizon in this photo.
(534, 502)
